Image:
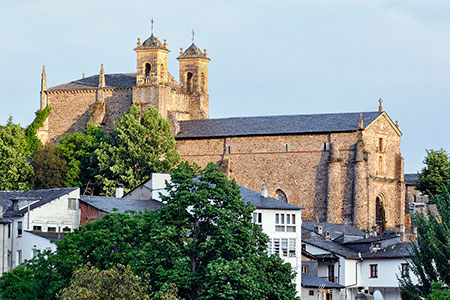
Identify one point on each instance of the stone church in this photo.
(341, 167)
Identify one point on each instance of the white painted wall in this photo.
(152, 188)
(268, 227)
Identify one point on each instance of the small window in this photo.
(276, 246)
(257, 218)
(373, 271)
(287, 148)
(292, 246)
(72, 204)
(305, 269)
(405, 268)
(229, 149)
(326, 146)
(9, 230)
(304, 247)
(19, 228)
(37, 228)
(311, 292)
(15, 205)
(67, 229)
(284, 247)
(51, 229)
(281, 196)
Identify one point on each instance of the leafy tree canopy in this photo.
(436, 173)
(142, 143)
(15, 171)
(201, 241)
(439, 292)
(50, 168)
(90, 283)
(78, 150)
(33, 143)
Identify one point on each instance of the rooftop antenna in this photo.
(152, 25)
(193, 35)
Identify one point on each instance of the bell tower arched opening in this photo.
(148, 69)
(189, 82)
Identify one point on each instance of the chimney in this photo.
(1, 211)
(119, 192)
(318, 229)
(264, 191)
(327, 236)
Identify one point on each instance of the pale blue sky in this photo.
(269, 57)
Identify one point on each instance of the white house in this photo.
(36, 219)
(367, 265)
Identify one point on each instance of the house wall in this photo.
(268, 227)
(89, 213)
(5, 248)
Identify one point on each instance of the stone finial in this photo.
(43, 79)
(204, 52)
(165, 44)
(396, 123)
(361, 122)
(380, 106)
(83, 76)
(181, 51)
(101, 78)
(139, 42)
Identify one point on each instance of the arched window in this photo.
(281, 196)
(148, 68)
(189, 80)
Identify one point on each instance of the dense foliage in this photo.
(141, 143)
(15, 171)
(33, 143)
(439, 292)
(50, 168)
(118, 282)
(78, 150)
(202, 241)
(430, 261)
(436, 174)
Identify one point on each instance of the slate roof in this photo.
(411, 179)
(43, 197)
(273, 125)
(108, 204)
(125, 80)
(52, 236)
(371, 239)
(193, 52)
(313, 281)
(265, 202)
(152, 43)
(336, 230)
(333, 247)
(399, 250)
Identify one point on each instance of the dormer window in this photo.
(148, 69)
(15, 205)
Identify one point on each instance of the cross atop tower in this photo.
(193, 35)
(152, 25)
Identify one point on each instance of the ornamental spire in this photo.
(361, 122)
(43, 79)
(380, 105)
(101, 78)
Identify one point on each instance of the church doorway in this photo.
(380, 215)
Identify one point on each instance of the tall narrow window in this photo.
(148, 68)
(161, 70)
(380, 144)
(373, 271)
(189, 80)
(331, 273)
(19, 228)
(284, 247)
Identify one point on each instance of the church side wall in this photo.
(71, 109)
(301, 173)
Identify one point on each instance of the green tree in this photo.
(430, 254)
(439, 292)
(33, 143)
(79, 150)
(436, 173)
(202, 241)
(90, 283)
(15, 171)
(142, 143)
(50, 168)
